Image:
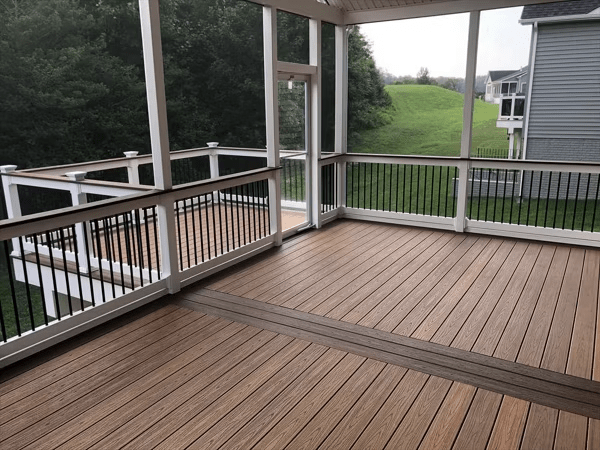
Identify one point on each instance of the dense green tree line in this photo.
(72, 82)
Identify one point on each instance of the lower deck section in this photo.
(178, 378)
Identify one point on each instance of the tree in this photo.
(72, 82)
(423, 76)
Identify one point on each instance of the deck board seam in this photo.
(582, 398)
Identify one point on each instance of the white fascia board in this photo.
(307, 8)
(574, 18)
(432, 9)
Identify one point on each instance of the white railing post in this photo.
(159, 137)
(78, 197)
(315, 34)
(467, 133)
(213, 160)
(272, 118)
(341, 107)
(133, 173)
(11, 196)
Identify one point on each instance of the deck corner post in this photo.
(133, 173)
(159, 137)
(78, 197)
(11, 196)
(272, 118)
(11, 193)
(462, 196)
(315, 44)
(341, 108)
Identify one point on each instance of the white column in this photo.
(467, 133)
(159, 136)
(341, 105)
(11, 195)
(272, 117)
(78, 197)
(315, 122)
(133, 173)
(511, 144)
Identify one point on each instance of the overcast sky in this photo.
(440, 43)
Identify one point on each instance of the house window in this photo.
(509, 87)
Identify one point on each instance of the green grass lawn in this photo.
(427, 120)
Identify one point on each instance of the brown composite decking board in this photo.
(45, 417)
(514, 300)
(237, 387)
(548, 388)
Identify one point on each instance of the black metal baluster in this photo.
(193, 232)
(447, 191)
(576, 201)
(425, 191)
(12, 289)
(53, 272)
(512, 198)
(257, 198)
(39, 268)
(77, 269)
(214, 220)
(487, 196)
(371, 187)
(200, 230)
(587, 193)
(418, 187)
(537, 206)
(148, 251)
(89, 262)
(26, 275)
(557, 200)
(226, 219)
(251, 189)
(109, 255)
(118, 226)
(595, 202)
(504, 195)
(237, 210)
(530, 197)
(67, 284)
(232, 218)
(411, 189)
(496, 194)
(138, 229)
(100, 271)
(397, 185)
(187, 233)
(128, 245)
(566, 201)
(547, 199)
(207, 225)
(156, 249)
(244, 210)
(179, 237)
(383, 185)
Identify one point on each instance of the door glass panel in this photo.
(292, 144)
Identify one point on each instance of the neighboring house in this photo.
(562, 113)
(504, 82)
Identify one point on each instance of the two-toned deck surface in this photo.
(355, 336)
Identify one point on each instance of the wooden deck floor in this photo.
(362, 336)
(531, 303)
(180, 379)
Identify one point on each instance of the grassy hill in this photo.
(427, 120)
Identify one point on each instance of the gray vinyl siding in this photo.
(582, 150)
(565, 96)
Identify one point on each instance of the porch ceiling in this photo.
(350, 12)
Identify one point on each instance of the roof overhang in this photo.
(574, 18)
(355, 12)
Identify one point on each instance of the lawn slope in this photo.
(427, 120)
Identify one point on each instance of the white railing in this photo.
(550, 201)
(92, 262)
(98, 260)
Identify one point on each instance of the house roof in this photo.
(558, 9)
(498, 74)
